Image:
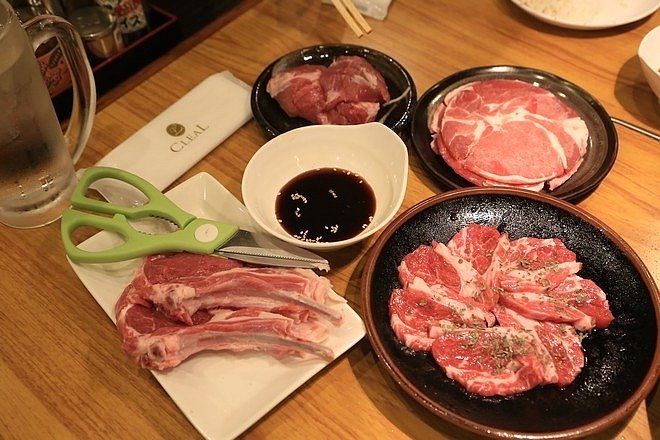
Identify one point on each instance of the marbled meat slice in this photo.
(508, 133)
(535, 265)
(348, 91)
(439, 146)
(422, 306)
(416, 340)
(528, 269)
(424, 262)
(585, 296)
(544, 307)
(299, 92)
(445, 272)
(473, 285)
(560, 340)
(353, 79)
(493, 361)
(475, 243)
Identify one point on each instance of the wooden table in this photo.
(62, 371)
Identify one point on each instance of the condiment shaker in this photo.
(98, 30)
(132, 17)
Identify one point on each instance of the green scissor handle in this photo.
(158, 204)
(194, 234)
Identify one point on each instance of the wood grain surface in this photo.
(62, 371)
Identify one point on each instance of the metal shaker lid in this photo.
(92, 22)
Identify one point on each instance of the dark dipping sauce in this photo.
(325, 205)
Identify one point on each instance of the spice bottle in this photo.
(132, 17)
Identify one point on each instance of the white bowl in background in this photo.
(649, 57)
(371, 150)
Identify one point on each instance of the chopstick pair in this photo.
(352, 16)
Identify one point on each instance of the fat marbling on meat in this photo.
(180, 304)
(348, 91)
(498, 316)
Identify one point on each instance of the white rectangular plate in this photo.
(221, 393)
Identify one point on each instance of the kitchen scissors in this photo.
(192, 234)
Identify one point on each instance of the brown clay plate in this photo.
(274, 121)
(601, 149)
(622, 361)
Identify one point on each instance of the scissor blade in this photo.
(259, 248)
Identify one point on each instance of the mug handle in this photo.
(41, 29)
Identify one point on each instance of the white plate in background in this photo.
(221, 393)
(589, 14)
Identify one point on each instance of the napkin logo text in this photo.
(177, 130)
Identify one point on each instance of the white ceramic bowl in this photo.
(371, 150)
(649, 57)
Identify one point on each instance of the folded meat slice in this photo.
(543, 307)
(416, 340)
(353, 79)
(535, 265)
(585, 296)
(473, 285)
(430, 266)
(560, 340)
(575, 301)
(475, 243)
(348, 91)
(439, 268)
(299, 92)
(421, 306)
(493, 361)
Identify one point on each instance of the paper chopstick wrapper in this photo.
(183, 134)
(371, 8)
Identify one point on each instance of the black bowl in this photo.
(622, 361)
(274, 121)
(603, 142)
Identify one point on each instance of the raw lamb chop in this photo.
(171, 310)
(349, 91)
(509, 133)
(291, 292)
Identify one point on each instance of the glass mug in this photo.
(37, 175)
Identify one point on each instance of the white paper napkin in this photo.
(185, 132)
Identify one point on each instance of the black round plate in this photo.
(274, 121)
(622, 361)
(601, 149)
